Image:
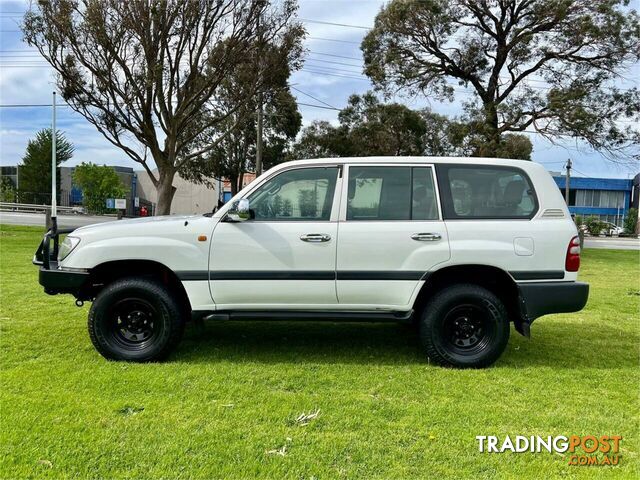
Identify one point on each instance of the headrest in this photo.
(513, 192)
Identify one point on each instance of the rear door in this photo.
(390, 234)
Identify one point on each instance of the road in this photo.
(70, 221)
(613, 243)
(38, 219)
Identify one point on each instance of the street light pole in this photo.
(54, 192)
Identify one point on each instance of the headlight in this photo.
(67, 246)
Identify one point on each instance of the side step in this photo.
(308, 315)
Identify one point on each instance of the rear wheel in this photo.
(135, 319)
(464, 326)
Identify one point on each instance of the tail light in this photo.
(572, 261)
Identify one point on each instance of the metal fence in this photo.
(64, 198)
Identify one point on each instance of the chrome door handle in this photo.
(426, 237)
(315, 237)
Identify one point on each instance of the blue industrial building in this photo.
(606, 198)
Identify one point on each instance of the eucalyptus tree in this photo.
(544, 65)
(146, 72)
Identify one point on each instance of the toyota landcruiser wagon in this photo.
(461, 247)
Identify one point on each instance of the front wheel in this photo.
(464, 326)
(135, 319)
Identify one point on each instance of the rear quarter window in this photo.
(486, 192)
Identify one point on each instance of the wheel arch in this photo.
(105, 273)
(493, 278)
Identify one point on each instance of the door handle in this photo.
(315, 237)
(426, 237)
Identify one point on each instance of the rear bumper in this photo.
(57, 281)
(552, 297)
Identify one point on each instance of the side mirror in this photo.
(240, 211)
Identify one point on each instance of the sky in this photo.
(332, 71)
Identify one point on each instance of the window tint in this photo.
(486, 192)
(391, 193)
(296, 195)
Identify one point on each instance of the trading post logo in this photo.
(584, 450)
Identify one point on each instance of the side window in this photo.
(391, 193)
(486, 192)
(304, 194)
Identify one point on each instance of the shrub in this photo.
(631, 222)
(594, 225)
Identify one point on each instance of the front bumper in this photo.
(53, 279)
(552, 297)
(57, 281)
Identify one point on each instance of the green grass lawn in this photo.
(225, 404)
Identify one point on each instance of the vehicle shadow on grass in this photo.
(564, 346)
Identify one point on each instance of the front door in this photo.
(391, 234)
(285, 255)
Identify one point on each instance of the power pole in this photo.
(54, 192)
(259, 138)
(260, 99)
(567, 181)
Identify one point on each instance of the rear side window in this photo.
(486, 192)
(391, 193)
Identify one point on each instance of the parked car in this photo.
(612, 229)
(462, 247)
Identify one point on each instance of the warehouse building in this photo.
(606, 198)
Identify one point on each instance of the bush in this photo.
(631, 222)
(97, 184)
(594, 225)
(579, 221)
(7, 191)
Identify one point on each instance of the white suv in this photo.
(460, 246)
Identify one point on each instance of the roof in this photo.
(583, 183)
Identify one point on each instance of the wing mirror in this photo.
(240, 211)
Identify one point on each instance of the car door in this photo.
(285, 255)
(391, 234)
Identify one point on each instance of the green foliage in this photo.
(631, 221)
(7, 190)
(98, 183)
(369, 127)
(235, 153)
(594, 225)
(578, 220)
(35, 170)
(515, 146)
(499, 50)
(224, 403)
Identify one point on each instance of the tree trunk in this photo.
(233, 181)
(491, 135)
(165, 190)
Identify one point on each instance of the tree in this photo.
(322, 140)
(506, 51)
(382, 129)
(35, 170)
(98, 183)
(631, 222)
(146, 73)
(235, 154)
(7, 190)
(368, 127)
